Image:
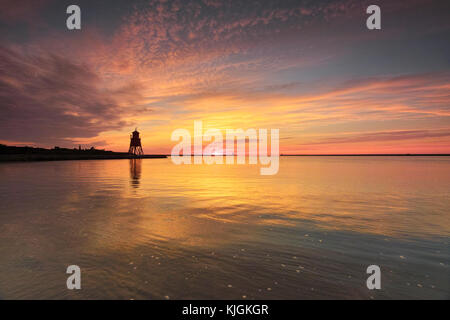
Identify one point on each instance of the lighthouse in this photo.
(135, 144)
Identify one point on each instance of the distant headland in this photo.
(12, 153)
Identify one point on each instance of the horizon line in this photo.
(281, 154)
(335, 155)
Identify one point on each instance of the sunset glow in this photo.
(312, 70)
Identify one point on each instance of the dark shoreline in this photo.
(370, 155)
(24, 154)
(65, 157)
(33, 157)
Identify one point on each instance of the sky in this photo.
(311, 69)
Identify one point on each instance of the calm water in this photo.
(148, 229)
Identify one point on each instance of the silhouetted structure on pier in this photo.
(135, 144)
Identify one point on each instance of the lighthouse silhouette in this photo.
(135, 144)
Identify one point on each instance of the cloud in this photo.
(19, 11)
(49, 99)
(383, 136)
(261, 64)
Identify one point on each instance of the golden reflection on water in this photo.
(135, 171)
(393, 197)
(396, 197)
(198, 204)
(106, 214)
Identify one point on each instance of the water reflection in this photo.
(135, 172)
(224, 232)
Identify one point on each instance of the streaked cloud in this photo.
(50, 99)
